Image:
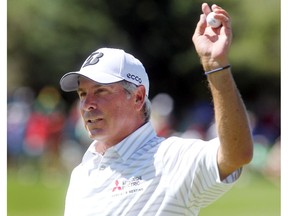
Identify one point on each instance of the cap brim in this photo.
(70, 81)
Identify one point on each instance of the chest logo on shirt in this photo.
(117, 187)
(127, 186)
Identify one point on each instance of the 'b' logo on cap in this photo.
(93, 59)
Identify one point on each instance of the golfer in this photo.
(129, 170)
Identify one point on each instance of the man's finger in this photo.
(201, 26)
(206, 9)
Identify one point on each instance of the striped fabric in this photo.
(147, 175)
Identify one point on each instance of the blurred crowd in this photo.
(46, 137)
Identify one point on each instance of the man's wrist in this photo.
(211, 64)
(217, 69)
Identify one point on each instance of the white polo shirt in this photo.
(147, 175)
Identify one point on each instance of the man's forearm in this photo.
(231, 121)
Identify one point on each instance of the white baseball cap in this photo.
(108, 65)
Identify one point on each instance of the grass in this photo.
(253, 195)
(29, 195)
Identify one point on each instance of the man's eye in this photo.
(81, 94)
(100, 90)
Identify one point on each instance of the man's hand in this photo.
(212, 44)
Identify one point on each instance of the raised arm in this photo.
(212, 46)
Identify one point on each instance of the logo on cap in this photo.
(133, 77)
(93, 59)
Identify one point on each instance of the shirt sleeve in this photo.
(192, 172)
(206, 186)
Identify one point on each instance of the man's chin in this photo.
(95, 134)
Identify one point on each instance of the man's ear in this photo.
(140, 97)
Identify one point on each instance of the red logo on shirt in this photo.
(116, 186)
(127, 186)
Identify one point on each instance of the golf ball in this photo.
(214, 23)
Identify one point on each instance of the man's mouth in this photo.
(94, 120)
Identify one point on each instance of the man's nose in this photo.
(89, 103)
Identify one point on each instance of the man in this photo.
(128, 170)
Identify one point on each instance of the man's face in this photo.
(107, 111)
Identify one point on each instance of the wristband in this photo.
(218, 69)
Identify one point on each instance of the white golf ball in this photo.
(214, 23)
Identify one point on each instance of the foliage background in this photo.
(49, 38)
